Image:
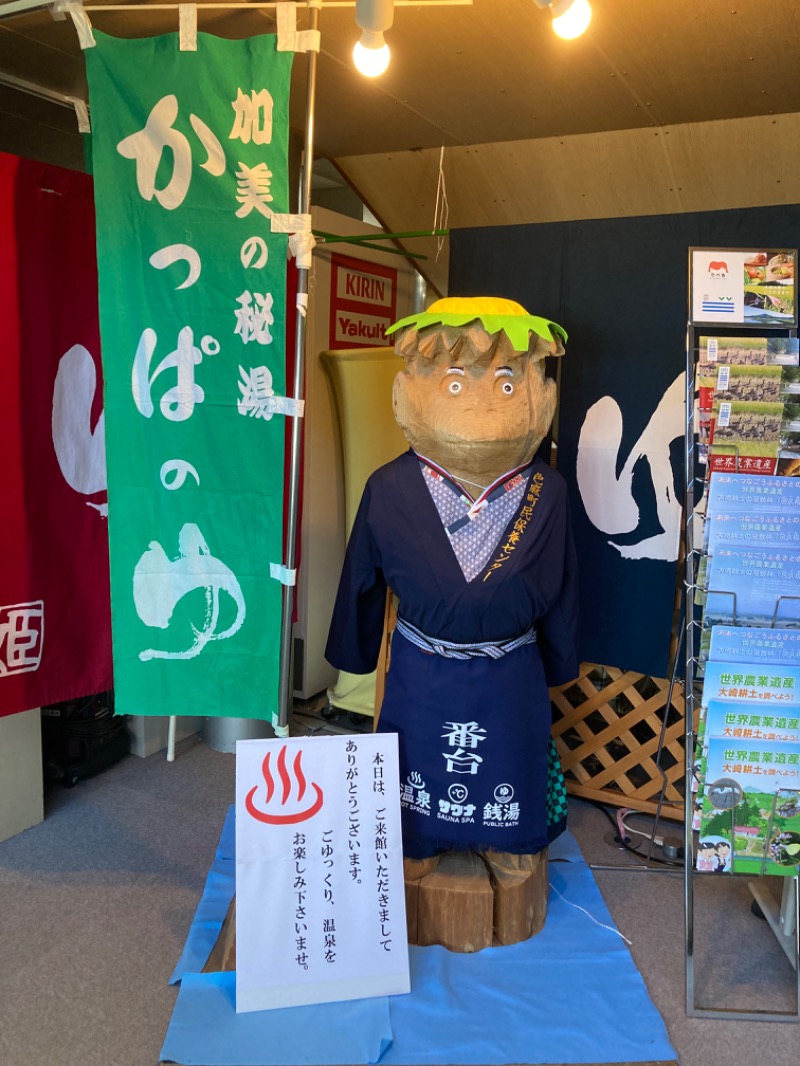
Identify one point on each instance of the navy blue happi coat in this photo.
(473, 733)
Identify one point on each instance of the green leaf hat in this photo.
(493, 312)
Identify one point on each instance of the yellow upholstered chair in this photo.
(361, 382)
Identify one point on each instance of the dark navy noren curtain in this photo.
(619, 287)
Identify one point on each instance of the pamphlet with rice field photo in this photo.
(745, 436)
(751, 370)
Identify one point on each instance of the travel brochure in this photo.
(758, 647)
(746, 720)
(775, 687)
(750, 816)
(745, 529)
(746, 763)
(748, 404)
(762, 514)
(750, 287)
(751, 587)
(746, 767)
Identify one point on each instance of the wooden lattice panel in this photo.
(607, 725)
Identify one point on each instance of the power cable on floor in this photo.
(591, 916)
(620, 837)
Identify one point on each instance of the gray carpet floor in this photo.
(96, 902)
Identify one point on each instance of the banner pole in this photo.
(304, 207)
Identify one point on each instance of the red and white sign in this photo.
(363, 303)
(320, 897)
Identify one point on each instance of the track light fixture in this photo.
(371, 52)
(570, 17)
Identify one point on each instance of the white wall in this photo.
(21, 787)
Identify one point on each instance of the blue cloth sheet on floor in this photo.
(557, 997)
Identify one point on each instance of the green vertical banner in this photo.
(190, 163)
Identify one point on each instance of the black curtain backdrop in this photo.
(619, 287)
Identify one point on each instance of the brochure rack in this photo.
(784, 921)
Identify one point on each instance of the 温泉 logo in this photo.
(718, 268)
(414, 795)
(291, 806)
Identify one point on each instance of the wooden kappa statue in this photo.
(470, 531)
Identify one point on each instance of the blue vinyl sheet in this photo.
(530, 1002)
(527, 1003)
(206, 1030)
(218, 892)
(220, 887)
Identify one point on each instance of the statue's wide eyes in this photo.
(502, 374)
(455, 373)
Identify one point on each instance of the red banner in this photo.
(55, 628)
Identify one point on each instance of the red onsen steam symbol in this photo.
(286, 782)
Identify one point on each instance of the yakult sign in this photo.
(363, 303)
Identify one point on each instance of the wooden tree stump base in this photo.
(464, 901)
(223, 954)
(467, 901)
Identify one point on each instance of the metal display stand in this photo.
(784, 920)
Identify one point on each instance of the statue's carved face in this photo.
(474, 414)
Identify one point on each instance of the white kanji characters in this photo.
(257, 392)
(21, 637)
(254, 317)
(177, 404)
(160, 583)
(253, 119)
(464, 734)
(501, 812)
(254, 190)
(462, 762)
(415, 793)
(147, 146)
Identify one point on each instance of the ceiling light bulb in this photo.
(371, 53)
(371, 59)
(570, 20)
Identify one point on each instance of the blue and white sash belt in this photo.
(491, 649)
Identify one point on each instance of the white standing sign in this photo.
(320, 897)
